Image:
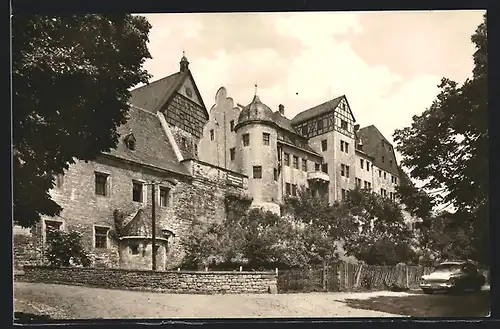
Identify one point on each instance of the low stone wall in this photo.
(160, 281)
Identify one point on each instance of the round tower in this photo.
(257, 158)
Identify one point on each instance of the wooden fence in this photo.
(342, 276)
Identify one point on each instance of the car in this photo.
(453, 276)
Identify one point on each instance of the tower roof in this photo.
(256, 111)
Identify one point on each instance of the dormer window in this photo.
(130, 141)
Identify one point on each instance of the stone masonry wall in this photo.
(169, 282)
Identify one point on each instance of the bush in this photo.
(65, 249)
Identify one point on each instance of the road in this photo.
(76, 302)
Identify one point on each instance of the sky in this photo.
(387, 64)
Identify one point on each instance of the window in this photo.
(367, 166)
(358, 182)
(304, 165)
(184, 142)
(265, 138)
(347, 171)
(316, 167)
(379, 173)
(51, 226)
(164, 192)
(196, 149)
(391, 195)
(231, 125)
(275, 174)
(324, 168)
(343, 124)
(344, 170)
(385, 175)
(246, 139)
(130, 142)
(101, 184)
(294, 190)
(232, 153)
(368, 185)
(362, 163)
(134, 249)
(101, 237)
(288, 188)
(383, 192)
(304, 130)
(344, 147)
(59, 180)
(323, 145)
(344, 194)
(137, 191)
(390, 162)
(212, 134)
(287, 159)
(320, 124)
(296, 162)
(257, 171)
(383, 159)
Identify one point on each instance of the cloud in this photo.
(387, 64)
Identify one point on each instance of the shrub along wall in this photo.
(162, 281)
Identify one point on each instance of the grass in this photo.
(436, 305)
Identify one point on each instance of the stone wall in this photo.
(168, 281)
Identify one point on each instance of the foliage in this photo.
(447, 147)
(65, 249)
(70, 81)
(118, 230)
(378, 233)
(320, 226)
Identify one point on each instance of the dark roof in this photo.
(141, 225)
(284, 123)
(317, 110)
(372, 146)
(152, 96)
(152, 146)
(256, 110)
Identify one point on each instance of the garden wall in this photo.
(210, 282)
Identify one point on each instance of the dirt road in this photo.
(74, 302)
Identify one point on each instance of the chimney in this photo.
(356, 128)
(281, 109)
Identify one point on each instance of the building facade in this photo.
(109, 200)
(193, 158)
(321, 150)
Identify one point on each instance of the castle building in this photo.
(193, 158)
(321, 150)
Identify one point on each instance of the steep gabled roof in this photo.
(153, 96)
(152, 147)
(317, 110)
(372, 138)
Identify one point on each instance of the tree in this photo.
(378, 233)
(259, 239)
(447, 147)
(320, 226)
(65, 249)
(70, 80)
